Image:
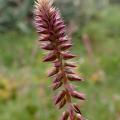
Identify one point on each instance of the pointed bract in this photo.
(44, 37)
(50, 57)
(60, 97)
(72, 77)
(76, 108)
(78, 95)
(65, 46)
(56, 85)
(62, 103)
(69, 71)
(47, 47)
(53, 72)
(67, 55)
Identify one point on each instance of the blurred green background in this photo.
(94, 26)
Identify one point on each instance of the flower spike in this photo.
(53, 38)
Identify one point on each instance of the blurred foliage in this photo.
(107, 25)
(15, 14)
(64, 6)
(115, 1)
(86, 9)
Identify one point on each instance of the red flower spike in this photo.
(65, 116)
(52, 34)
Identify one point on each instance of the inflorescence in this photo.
(53, 38)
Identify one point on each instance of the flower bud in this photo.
(78, 95)
(56, 85)
(62, 103)
(50, 57)
(44, 37)
(76, 108)
(60, 97)
(65, 46)
(53, 72)
(47, 47)
(72, 77)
